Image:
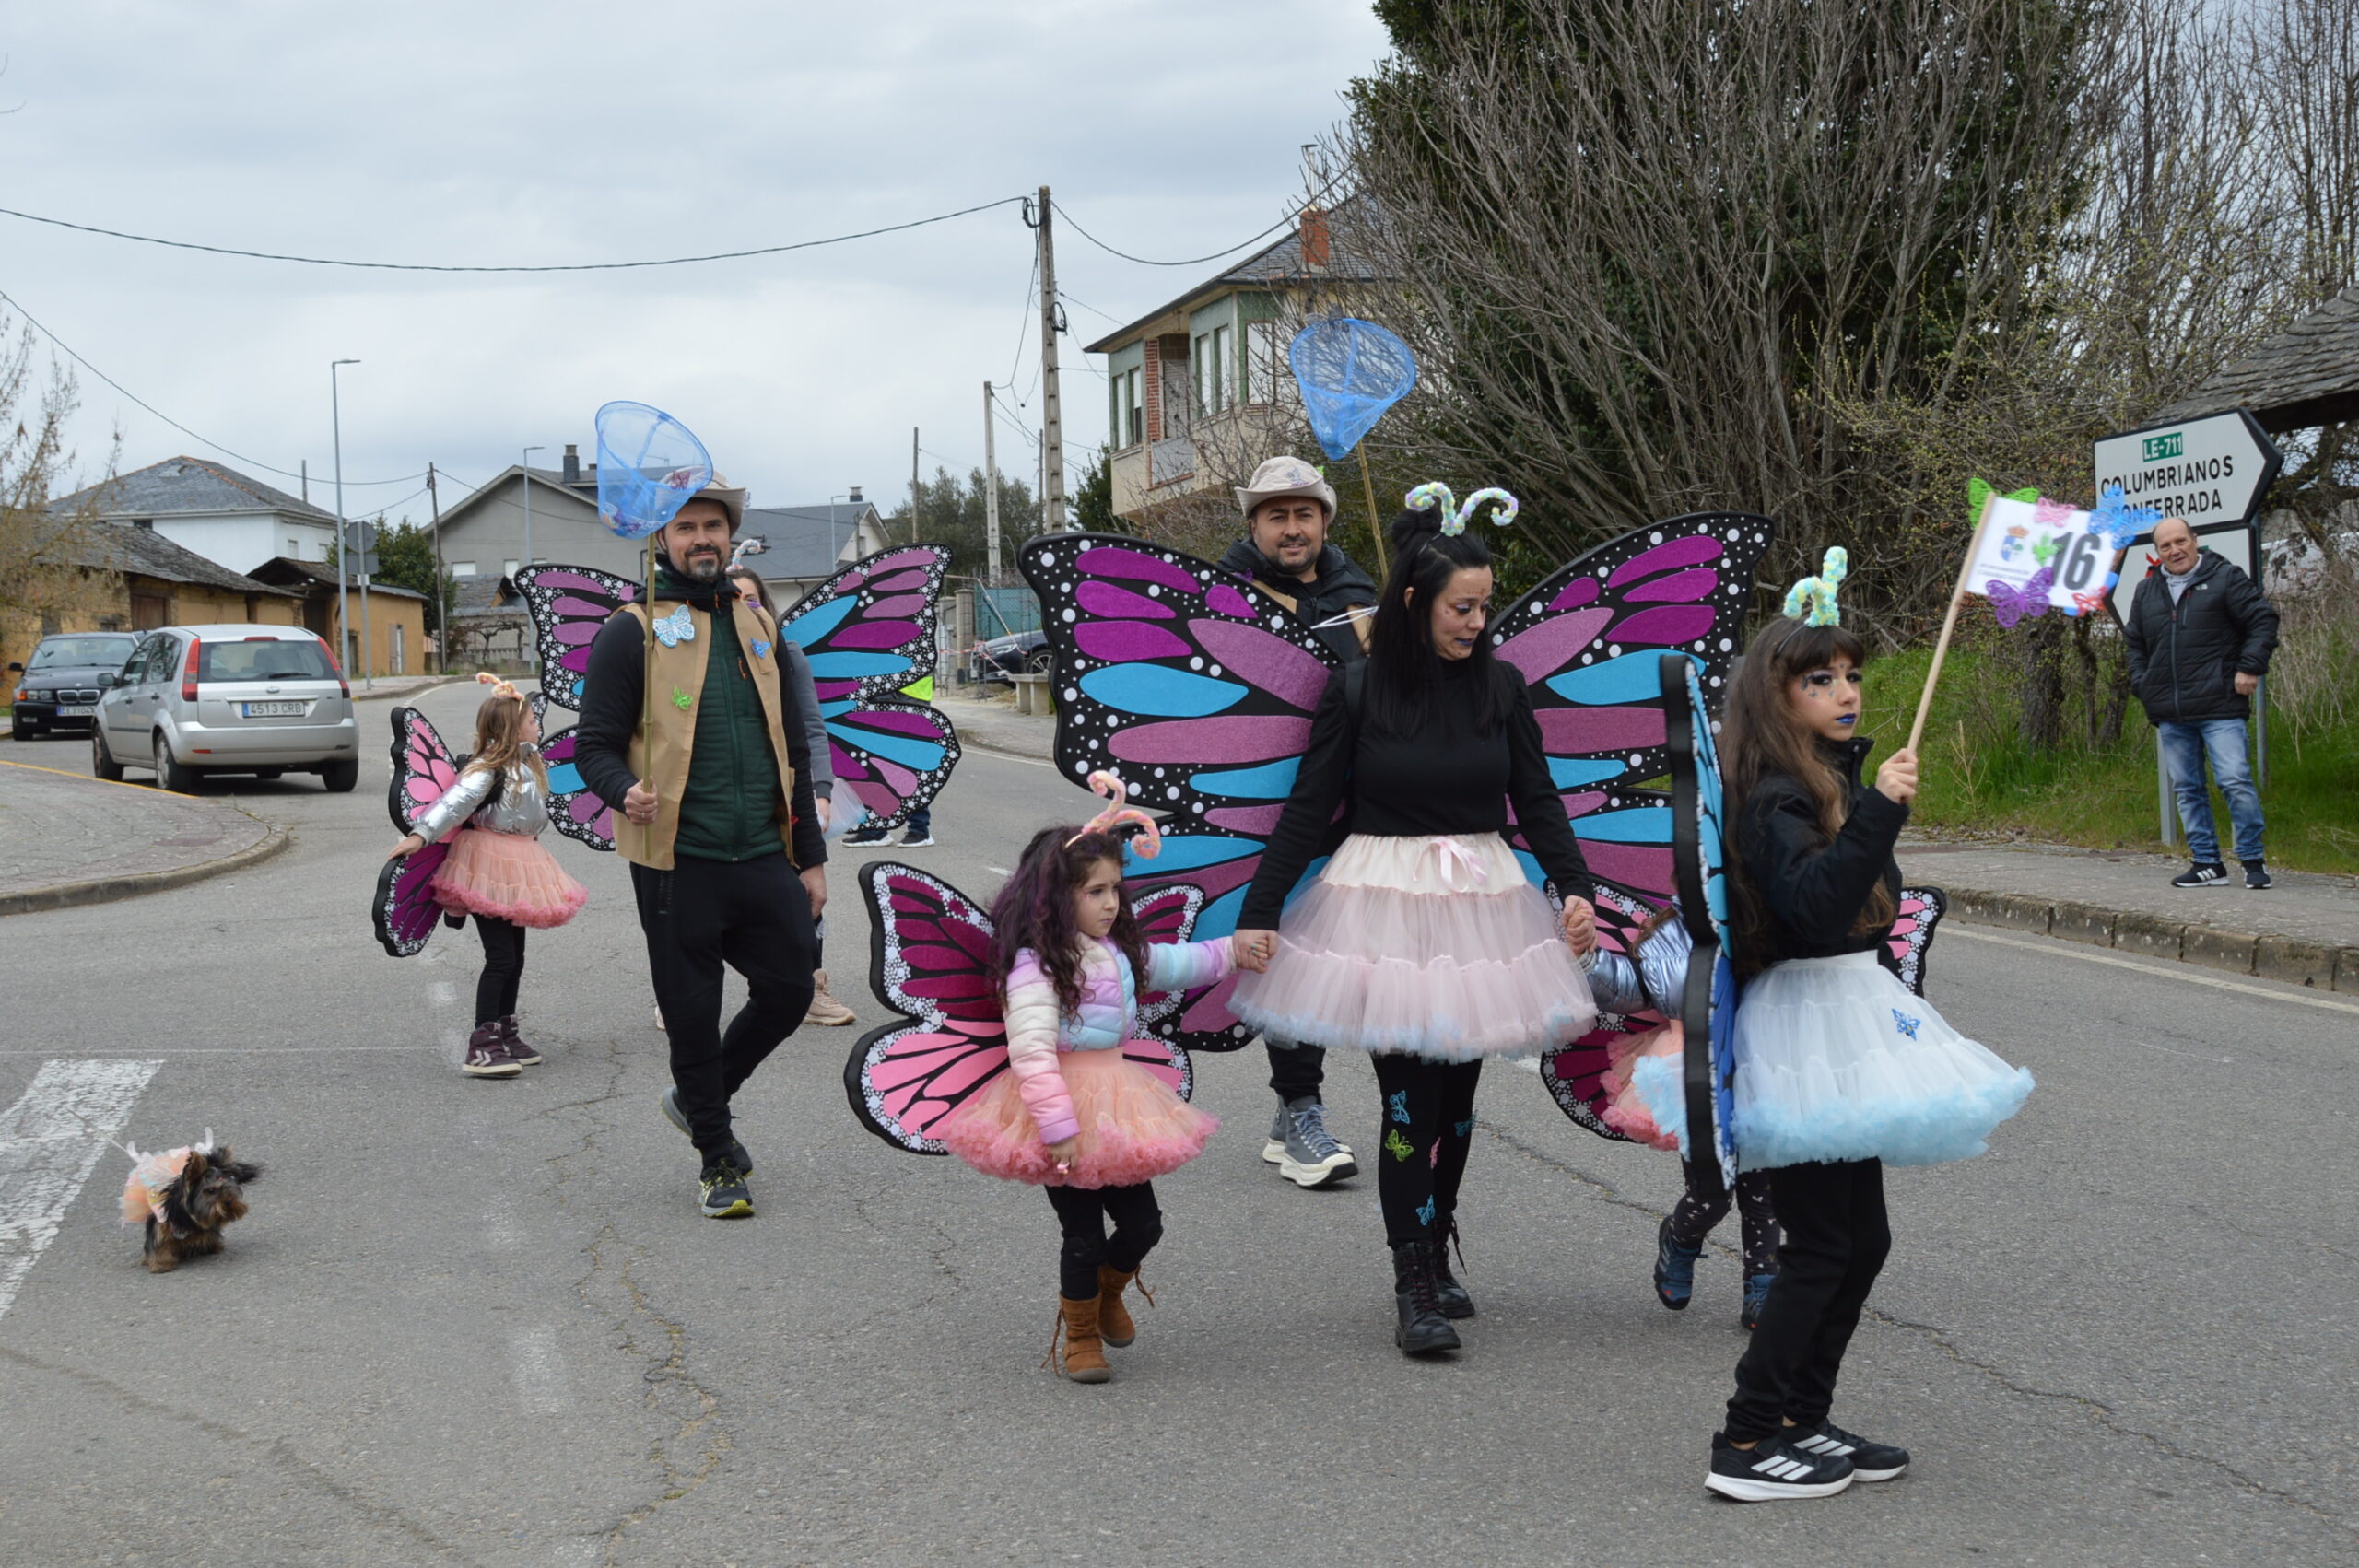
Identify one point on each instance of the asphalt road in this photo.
(481, 1323)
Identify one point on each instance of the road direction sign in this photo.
(2212, 471)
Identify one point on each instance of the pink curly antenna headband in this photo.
(1119, 814)
(499, 687)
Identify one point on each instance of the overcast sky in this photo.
(506, 132)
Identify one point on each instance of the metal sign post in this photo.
(2212, 473)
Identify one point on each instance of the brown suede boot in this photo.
(1115, 1324)
(1084, 1352)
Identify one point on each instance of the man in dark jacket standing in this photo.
(2199, 635)
(1287, 509)
(694, 739)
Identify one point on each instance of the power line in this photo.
(1192, 261)
(249, 461)
(570, 267)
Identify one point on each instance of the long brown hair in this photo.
(1035, 910)
(499, 738)
(1761, 736)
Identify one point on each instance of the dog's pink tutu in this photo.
(509, 877)
(1133, 1128)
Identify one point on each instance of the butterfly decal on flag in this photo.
(930, 953)
(866, 631)
(2011, 604)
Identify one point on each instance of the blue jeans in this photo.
(2184, 749)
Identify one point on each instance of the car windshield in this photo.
(265, 660)
(81, 652)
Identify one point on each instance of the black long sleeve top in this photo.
(1450, 778)
(1815, 889)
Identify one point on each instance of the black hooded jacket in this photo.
(1815, 890)
(1337, 586)
(2184, 658)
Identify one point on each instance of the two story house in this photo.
(211, 509)
(1198, 391)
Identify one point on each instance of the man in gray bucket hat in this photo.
(1287, 508)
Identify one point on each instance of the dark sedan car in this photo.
(1020, 653)
(56, 691)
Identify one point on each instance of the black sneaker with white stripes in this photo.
(1870, 1461)
(1773, 1469)
(2202, 873)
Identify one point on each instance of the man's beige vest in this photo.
(681, 668)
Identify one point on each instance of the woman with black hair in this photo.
(1421, 941)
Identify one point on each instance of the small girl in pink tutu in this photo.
(1075, 1115)
(496, 870)
(1654, 976)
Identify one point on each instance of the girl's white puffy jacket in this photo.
(1106, 1018)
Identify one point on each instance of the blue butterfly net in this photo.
(1350, 372)
(648, 464)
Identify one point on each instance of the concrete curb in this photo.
(363, 696)
(2290, 959)
(108, 889)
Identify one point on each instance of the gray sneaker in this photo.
(1303, 1151)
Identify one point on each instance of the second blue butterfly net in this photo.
(1350, 372)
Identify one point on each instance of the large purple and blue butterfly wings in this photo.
(1588, 640)
(1699, 875)
(404, 910)
(1197, 691)
(1574, 1074)
(929, 951)
(569, 607)
(868, 631)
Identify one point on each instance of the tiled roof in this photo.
(185, 485)
(286, 572)
(1277, 264)
(2307, 375)
(125, 548)
(803, 541)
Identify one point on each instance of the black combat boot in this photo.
(1423, 1330)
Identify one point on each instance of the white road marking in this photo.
(538, 1368)
(2183, 973)
(243, 1051)
(48, 1140)
(444, 992)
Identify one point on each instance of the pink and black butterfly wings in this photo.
(930, 956)
(1588, 640)
(1575, 1074)
(868, 631)
(1197, 691)
(404, 910)
(569, 605)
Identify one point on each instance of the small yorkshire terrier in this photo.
(185, 1196)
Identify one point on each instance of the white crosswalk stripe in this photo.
(48, 1140)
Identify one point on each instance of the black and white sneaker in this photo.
(917, 841)
(2256, 875)
(1773, 1469)
(2202, 873)
(724, 1193)
(1870, 1461)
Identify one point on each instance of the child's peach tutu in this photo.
(508, 876)
(1133, 1128)
(1625, 1112)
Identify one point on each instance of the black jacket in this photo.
(2184, 658)
(1450, 779)
(1815, 890)
(1336, 587)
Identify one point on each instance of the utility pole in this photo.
(525, 471)
(343, 536)
(991, 487)
(306, 467)
(1052, 437)
(913, 484)
(441, 602)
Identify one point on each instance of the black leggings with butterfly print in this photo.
(1422, 1144)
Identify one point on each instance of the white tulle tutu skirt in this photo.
(1836, 1060)
(1435, 947)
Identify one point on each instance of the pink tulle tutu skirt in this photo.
(1133, 1128)
(1436, 947)
(508, 876)
(1625, 1112)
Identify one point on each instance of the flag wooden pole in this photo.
(1375, 518)
(1949, 623)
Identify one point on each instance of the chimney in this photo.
(1314, 239)
(854, 497)
(572, 464)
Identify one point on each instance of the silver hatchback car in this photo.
(193, 700)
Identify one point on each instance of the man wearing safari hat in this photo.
(695, 740)
(1287, 509)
